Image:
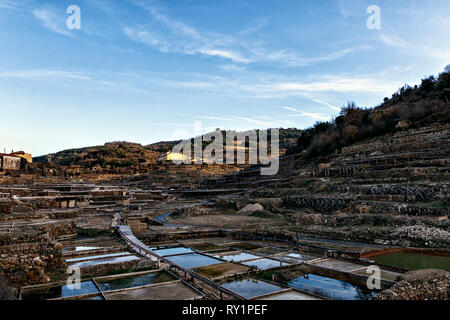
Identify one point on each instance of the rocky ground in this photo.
(427, 284)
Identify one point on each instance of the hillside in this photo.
(409, 107)
(392, 189)
(119, 154)
(128, 154)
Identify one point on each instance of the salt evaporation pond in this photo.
(80, 248)
(193, 260)
(249, 288)
(98, 256)
(238, 256)
(172, 251)
(328, 287)
(264, 264)
(414, 261)
(86, 287)
(90, 263)
(135, 281)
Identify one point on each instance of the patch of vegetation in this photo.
(281, 276)
(177, 214)
(235, 277)
(209, 272)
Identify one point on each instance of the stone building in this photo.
(28, 157)
(15, 160)
(172, 156)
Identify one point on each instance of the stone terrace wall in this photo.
(35, 234)
(427, 284)
(27, 264)
(28, 255)
(107, 269)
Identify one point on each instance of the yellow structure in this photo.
(23, 155)
(175, 156)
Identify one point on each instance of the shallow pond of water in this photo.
(135, 281)
(204, 247)
(85, 288)
(64, 291)
(413, 261)
(90, 263)
(80, 248)
(245, 246)
(162, 218)
(265, 263)
(241, 256)
(193, 260)
(249, 288)
(328, 287)
(172, 251)
(98, 256)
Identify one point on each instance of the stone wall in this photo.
(10, 162)
(427, 284)
(28, 255)
(112, 268)
(28, 264)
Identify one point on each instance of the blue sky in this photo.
(145, 71)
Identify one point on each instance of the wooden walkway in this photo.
(142, 249)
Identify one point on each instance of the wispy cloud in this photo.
(245, 123)
(227, 54)
(9, 4)
(329, 83)
(51, 20)
(256, 85)
(290, 58)
(172, 36)
(342, 7)
(300, 113)
(232, 67)
(235, 119)
(254, 27)
(191, 46)
(37, 74)
(392, 40)
(326, 104)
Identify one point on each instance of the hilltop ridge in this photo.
(127, 154)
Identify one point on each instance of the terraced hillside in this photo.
(391, 190)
